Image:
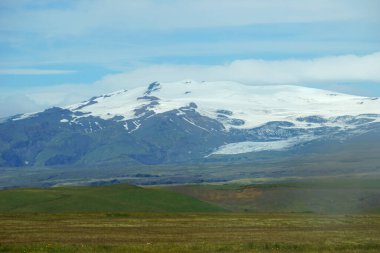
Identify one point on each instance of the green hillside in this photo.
(122, 197)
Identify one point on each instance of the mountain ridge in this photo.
(183, 121)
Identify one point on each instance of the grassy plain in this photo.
(320, 214)
(180, 232)
(112, 198)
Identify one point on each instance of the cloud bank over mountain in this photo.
(346, 68)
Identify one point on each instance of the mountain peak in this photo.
(252, 106)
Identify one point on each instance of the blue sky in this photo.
(59, 52)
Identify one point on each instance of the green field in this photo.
(335, 195)
(118, 197)
(321, 214)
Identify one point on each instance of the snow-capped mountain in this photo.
(184, 121)
(232, 104)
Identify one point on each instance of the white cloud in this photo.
(35, 72)
(17, 103)
(333, 69)
(349, 68)
(39, 98)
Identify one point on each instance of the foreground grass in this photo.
(232, 232)
(246, 247)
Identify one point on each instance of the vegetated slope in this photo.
(183, 122)
(122, 197)
(359, 194)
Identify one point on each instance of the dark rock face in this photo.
(148, 98)
(146, 108)
(152, 87)
(313, 119)
(224, 112)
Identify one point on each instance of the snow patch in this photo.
(192, 123)
(24, 116)
(251, 146)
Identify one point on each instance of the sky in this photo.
(55, 53)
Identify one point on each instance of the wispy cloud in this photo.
(35, 72)
(81, 17)
(51, 33)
